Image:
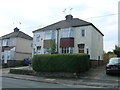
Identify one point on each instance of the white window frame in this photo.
(67, 32)
(67, 50)
(49, 34)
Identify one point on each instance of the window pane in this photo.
(67, 50)
(83, 33)
(67, 32)
(48, 35)
(53, 34)
(71, 50)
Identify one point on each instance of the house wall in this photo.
(23, 45)
(97, 44)
(83, 40)
(22, 56)
(38, 42)
(93, 41)
(23, 48)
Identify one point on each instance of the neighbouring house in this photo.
(14, 47)
(71, 35)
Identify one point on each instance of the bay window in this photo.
(67, 32)
(50, 34)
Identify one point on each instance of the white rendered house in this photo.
(71, 35)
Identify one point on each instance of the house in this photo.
(71, 35)
(15, 47)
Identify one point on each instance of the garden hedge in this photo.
(74, 63)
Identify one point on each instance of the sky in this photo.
(29, 15)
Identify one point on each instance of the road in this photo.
(94, 78)
(17, 83)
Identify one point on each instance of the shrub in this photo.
(61, 63)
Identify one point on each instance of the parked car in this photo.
(113, 66)
(27, 61)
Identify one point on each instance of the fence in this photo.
(107, 57)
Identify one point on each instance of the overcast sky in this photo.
(34, 14)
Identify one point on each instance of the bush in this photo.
(61, 63)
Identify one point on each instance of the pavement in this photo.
(94, 77)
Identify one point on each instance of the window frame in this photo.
(49, 34)
(67, 50)
(67, 32)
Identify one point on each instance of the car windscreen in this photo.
(114, 61)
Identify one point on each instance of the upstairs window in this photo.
(67, 32)
(38, 38)
(6, 42)
(49, 34)
(83, 33)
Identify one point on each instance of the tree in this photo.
(109, 52)
(117, 50)
(53, 47)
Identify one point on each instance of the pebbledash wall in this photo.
(92, 40)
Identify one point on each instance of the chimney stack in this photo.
(16, 29)
(69, 17)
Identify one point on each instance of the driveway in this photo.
(99, 73)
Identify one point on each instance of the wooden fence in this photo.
(107, 57)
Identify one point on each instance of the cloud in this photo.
(34, 14)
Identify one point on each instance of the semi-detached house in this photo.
(71, 35)
(14, 47)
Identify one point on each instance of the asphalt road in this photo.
(17, 83)
(91, 79)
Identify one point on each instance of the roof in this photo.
(69, 22)
(17, 34)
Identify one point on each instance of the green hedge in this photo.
(61, 63)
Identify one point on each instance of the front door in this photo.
(81, 48)
(81, 51)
